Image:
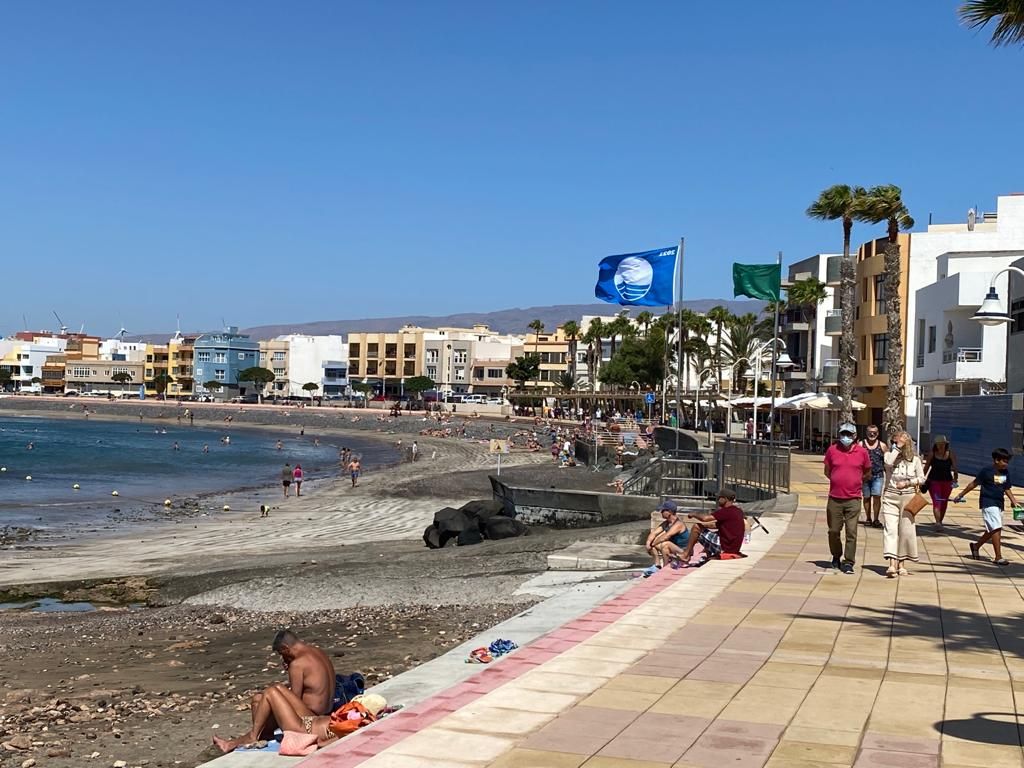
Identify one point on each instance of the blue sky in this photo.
(286, 162)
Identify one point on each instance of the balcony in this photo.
(834, 322)
(832, 269)
(792, 324)
(962, 355)
(830, 373)
(796, 372)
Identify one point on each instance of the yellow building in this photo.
(385, 360)
(157, 361)
(553, 349)
(79, 347)
(180, 366)
(871, 326)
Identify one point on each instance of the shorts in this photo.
(992, 517)
(709, 540)
(355, 474)
(873, 487)
(286, 483)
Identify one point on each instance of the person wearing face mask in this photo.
(847, 467)
(903, 474)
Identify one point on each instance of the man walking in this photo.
(847, 467)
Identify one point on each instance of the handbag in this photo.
(917, 502)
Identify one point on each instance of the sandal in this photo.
(479, 656)
(1002, 561)
(974, 550)
(904, 572)
(890, 572)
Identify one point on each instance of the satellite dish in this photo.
(972, 218)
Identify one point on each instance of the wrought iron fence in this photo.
(761, 465)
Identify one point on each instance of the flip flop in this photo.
(974, 550)
(479, 656)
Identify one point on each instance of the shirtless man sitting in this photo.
(309, 693)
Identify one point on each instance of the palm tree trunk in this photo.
(847, 342)
(894, 320)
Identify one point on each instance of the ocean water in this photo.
(139, 462)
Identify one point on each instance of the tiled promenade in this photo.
(774, 660)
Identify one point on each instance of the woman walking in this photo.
(297, 477)
(941, 471)
(903, 474)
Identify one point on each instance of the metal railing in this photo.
(962, 355)
(685, 476)
(761, 465)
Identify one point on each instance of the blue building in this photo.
(221, 357)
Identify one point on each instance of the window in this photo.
(880, 294)
(931, 338)
(478, 373)
(279, 371)
(409, 368)
(495, 373)
(149, 373)
(459, 356)
(880, 342)
(371, 350)
(199, 371)
(353, 351)
(353, 367)
(863, 347)
(432, 356)
(371, 367)
(410, 350)
(390, 351)
(219, 374)
(279, 357)
(390, 368)
(202, 357)
(241, 355)
(460, 373)
(863, 291)
(1017, 316)
(80, 373)
(432, 372)
(121, 369)
(220, 357)
(920, 344)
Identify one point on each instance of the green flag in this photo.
(758, 281)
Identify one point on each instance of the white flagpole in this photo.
(775, 355)
(679, 338)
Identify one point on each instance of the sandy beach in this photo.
(343, 565)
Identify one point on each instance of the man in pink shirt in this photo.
(847, 467)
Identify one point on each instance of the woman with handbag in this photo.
(941, 469)
(903, 474)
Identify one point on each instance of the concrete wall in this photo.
(572, 509)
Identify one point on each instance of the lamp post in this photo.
(991, 310)
(781, 361)
(732, 377)
(700, 378)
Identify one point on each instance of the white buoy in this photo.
(227, 508)
(114, 493)
(3, 469)
(75, 486)
(28, 477)
(167, 502)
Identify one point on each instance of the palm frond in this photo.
(1008, 16)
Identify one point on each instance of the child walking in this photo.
(994, 485)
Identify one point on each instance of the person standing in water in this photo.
(286, 478)
(297, 479)
(354, 468)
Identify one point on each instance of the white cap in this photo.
(848, 427)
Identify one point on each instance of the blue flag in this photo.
(645, 279)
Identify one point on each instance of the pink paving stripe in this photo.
(369, 742)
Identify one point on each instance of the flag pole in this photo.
(679, 338)
(775, 353)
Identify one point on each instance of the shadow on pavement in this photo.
(984, 728)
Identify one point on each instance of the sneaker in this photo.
(846, 568)
(835, 563)
(648, 572)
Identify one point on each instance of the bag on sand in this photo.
(504, 528)
(916, 503)
(432, 537)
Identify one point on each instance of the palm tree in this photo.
(571, 329)
(841, 202)
(567, 382)
(745, 332)
(619, 327)
(645, 319)
(885, 203)
(537, 326)
(594, 338)
(719, 316)
(1008, 16)
(807, 295)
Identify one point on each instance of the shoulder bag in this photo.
(918, 501)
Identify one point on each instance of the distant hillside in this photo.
(503, 320)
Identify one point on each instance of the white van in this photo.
(475, 399)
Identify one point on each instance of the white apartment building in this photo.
(23, 357)
(118, 349)
(810, 340)
(461, 360)
(300, 359)
(950, 267)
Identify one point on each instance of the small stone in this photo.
(120, 764)
(29, 763)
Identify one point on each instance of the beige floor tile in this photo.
(541, 680)
(389, 759)
(585, 667)
(764, 704)
(822, 736)
(619, 762)
(536, 758)
(513, 696)
(643, 683)
(799, 676)
(981, 755)
(484, 719)
(671, 704)
(626, 638)
(784, 762)
(434, 741)
(603, 653)
(631, 701)
(814, 752)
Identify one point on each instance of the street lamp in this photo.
(991, 310)
(780, 361)
(700, 378)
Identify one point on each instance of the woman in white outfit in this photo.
(904, 472)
